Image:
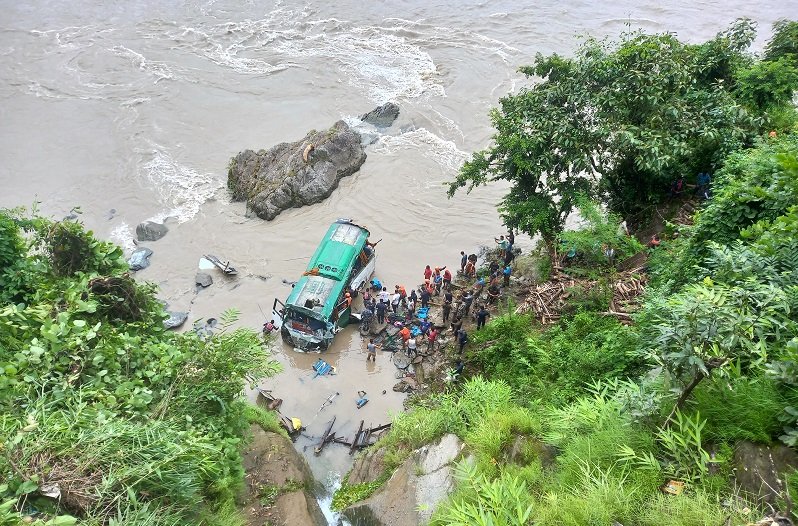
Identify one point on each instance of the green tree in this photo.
(624, 118)
(784, 42)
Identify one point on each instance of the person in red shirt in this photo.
(432, 337)
(447, 279)
(427, 272)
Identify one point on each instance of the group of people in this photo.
(402, 306)
(700, 189)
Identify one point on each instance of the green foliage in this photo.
(740, 409)
(696, 508)
(599, 232)
(625, 118)
(757, 186)
(768, 85)
(556, 366)
(348, 494)
(267, 420)
(485, 502)
(136, 424)
(784, 43)
(683, 445)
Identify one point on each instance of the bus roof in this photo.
(315, 296)
(338, 250)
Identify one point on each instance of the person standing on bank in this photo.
(462, 339)
(482, 316)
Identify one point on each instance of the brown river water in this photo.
(132, 110)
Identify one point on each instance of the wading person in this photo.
(371, 351)
(463, 261)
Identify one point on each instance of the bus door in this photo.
(278, 313)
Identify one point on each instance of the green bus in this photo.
(317, 307)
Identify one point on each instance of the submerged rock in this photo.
(140, 259)
(296, 174)
(203, 279)
(150, 231)
(382, 116)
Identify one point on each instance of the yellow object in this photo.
(673, 487)
(297, 423)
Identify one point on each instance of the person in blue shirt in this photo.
(506, 273)
(702, 186)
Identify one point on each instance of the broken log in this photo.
(328, 436)
(354, 440)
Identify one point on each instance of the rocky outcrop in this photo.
(295, 174)
(760, 470)
(413, 492)
(278, 483)
(382, 116)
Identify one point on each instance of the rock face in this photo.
(760, 470)
(383, 116)
(413, 492)
(149, 231)
(295, 174)
(278, 481)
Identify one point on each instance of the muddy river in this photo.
(132, 111)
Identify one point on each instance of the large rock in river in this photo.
(295, 174)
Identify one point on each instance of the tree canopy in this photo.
(621, 119)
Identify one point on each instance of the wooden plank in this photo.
(325, 438)
(354, 440)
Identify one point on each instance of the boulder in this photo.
(382, 116)
(278, 483)
(368, 467)
(203, 279)
(150, 231)
(175, 319)
(139, 259)
(415, 489)
(296, 174)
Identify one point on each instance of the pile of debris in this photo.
(548, 300)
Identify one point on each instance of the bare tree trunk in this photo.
(684, 396)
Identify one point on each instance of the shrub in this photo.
(740, 409)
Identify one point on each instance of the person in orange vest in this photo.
(405, 334)
(427, 272)
(401, 290)
(348, 299)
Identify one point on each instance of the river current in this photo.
(132, 111)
